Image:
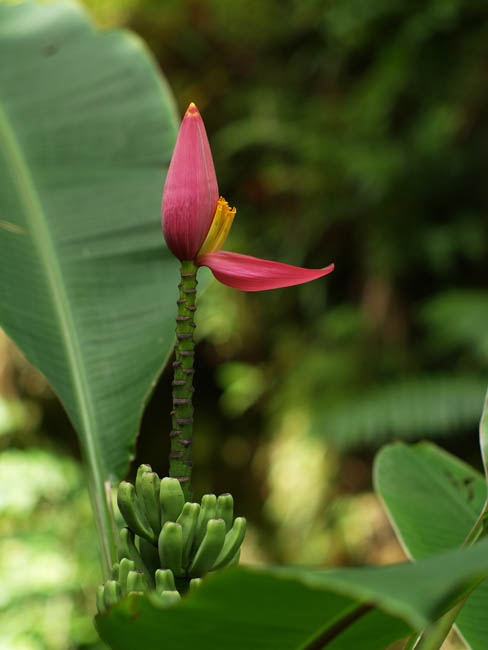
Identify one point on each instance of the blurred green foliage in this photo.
(48, 555)
(353, 132)
(346, 131)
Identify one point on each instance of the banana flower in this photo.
(196, 221)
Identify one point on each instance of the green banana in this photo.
(147, 489)
(142, 469)
(235, 560)
(128, 549)
(225, 509)
(208, 511)
(126, 566)
(171, 498)
(187, 540)
(166, 592)
(232, 543)
(209, 549)
(100, 600)
(123, 547)
(194, 584)
(132, 513)
(115, 571)
(169, 598)
(148, 553)
(165, 581)
(170, 547)
(136, 582)
(164, 599)
(111, 593)
(188, 521)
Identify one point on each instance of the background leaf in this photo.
(434, 500)
(87, 127)
(436, 405)
(292, 608)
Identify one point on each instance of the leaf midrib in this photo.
(42, 241)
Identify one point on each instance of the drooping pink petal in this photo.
(253, 274)
(190, 192)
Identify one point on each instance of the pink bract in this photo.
(253, 274)
(190, 192)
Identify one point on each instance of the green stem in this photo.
(434, 635)
(180, 458)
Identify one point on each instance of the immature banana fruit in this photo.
(232, 544)
(171, 498)
(140, 505)
(169, 545)
(225, 509)
(111, 593)
(148, 488)
(208, 511)
(129, 506)
(188, 520)
(125, 568)
(166, 592)
(127, 549)
(209, 549)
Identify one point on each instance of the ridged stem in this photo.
(180, 458)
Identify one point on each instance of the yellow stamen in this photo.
(221, 224)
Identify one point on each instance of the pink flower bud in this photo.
(190, 192)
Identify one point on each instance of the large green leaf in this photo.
(434, 500)
(294, 608)
(432, 497)
(87, 126)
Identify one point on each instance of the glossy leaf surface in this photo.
(292, 609)
(434, 500)
(87, 126)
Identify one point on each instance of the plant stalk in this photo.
(434, 635)
(181, 435)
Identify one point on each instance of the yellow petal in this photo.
(219, 229)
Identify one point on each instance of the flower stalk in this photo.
(195, 224)
(181, 435)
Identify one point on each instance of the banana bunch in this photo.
(169, 545)
(126, 579)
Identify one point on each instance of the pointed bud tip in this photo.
(192, 110)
